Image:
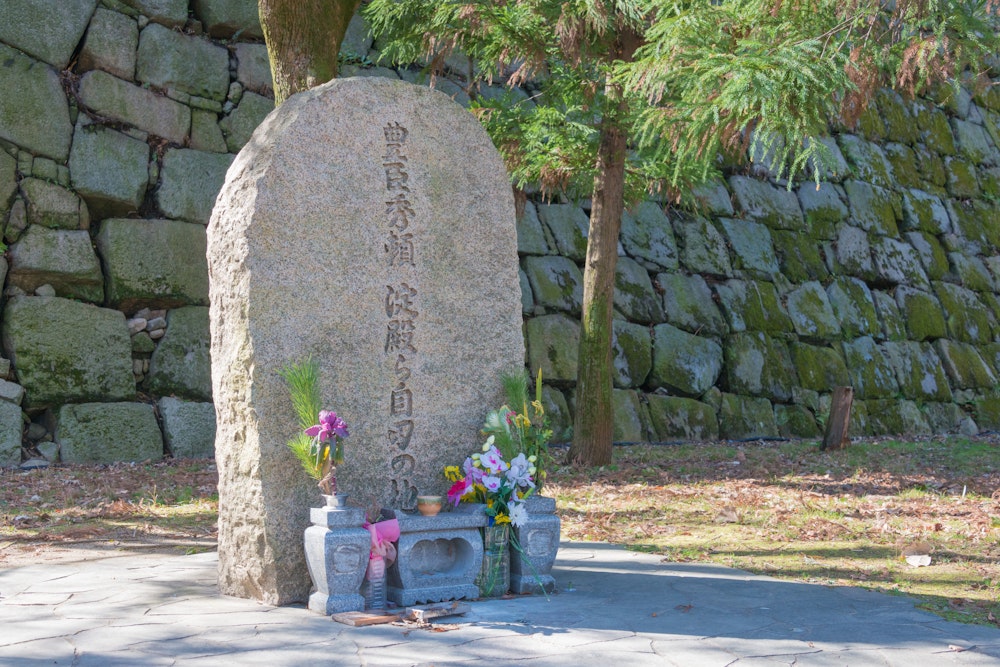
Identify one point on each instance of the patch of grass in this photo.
(792, 511)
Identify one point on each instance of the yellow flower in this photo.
(522, 421)
(539, 410)
(502, 518)
(452, 473)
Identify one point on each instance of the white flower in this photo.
(489, 444)
(519, 473)
(518, 514)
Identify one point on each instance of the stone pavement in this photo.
(613, 608)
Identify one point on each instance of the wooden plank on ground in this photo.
(424, 614)
(362, 618)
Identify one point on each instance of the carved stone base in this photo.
(337, 549)
(531, 565)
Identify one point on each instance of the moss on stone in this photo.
(931, 166)
(892, 325)
(631, 354)
(811, 312)
(964, 366)
(899, 122)
(744, 417)
(677, 418)
(904, 165)
(868, 369)
(962, 181)
(818, 368)
(987, 412)
(683, 362)
(823, 207)
(795, 421)
(759, 365)
(898, 417)
(935, 132)
(799, 256)
(967, 318)
(753, 306)
(922, 314)
(918, 370)
(931, 253)
(854, 307)
(689, 304)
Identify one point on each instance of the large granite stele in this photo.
(368, 223)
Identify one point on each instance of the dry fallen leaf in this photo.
(727, 515)
(919, 560)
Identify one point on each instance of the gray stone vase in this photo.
(337, 550)
(534, 546)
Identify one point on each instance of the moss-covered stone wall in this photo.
(737, 313)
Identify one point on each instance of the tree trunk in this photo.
(593, 423)
(303, 41)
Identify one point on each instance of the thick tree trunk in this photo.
(303, 40)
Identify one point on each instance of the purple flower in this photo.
(471, 471)
(491, 483)
(329, 424)
(520, 471)
(493, 461)
(459, 489)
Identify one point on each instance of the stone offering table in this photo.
(438, 556)
(538, 538)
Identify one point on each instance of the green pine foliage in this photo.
(302, 379)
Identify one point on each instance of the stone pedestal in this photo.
(438, 556)
(337, 549)
(531, 564)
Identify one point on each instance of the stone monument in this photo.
(369, 223)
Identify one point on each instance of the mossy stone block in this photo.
(631, 353)
(676, 418)
(943, 417)
(689, 304)
(872, 208)
(897, 263)
(823, 207)
(37, 117)
(964, 366)
(109, 169)
(759, 365)
(648, 238)
(527, 296)
(753, 250)
(775, 207)
(188, 427)
(968, 319)
(795, 421)
(962, 181)
(918, 371)
(974, 143)
(931, 167)
(893, 326)
(799, 257)
(634, 295)
(924, 212)
(180, 364)
(870, 124)
(711, 198)
(971, 271)
(683, 362)
(904, 163)
(811, 312)
(867, 160)
(930, 252)
(153, 263)
(935, 132)
(987, 410)
(631, 423)
(753, 306)
(192, 64)
(899, 122)
(819, 368)
(108, 432)
(569, 226)
(190, 180)
(65, 351)
(854, 306)
(556, 283)
(854, 253)
(62, 258)
(557, 413)
(922, 313)
(553, 343)
(53, 206)
(704, 248)
(869, 370)
(743, 417)
(240, 124)
(896, 417)
(531, 240)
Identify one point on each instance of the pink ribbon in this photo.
(383, 551)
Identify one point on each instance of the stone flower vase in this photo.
(494, 576)
(337, 549)
(534, 546)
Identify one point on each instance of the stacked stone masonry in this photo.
(736, 312)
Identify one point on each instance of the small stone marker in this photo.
(368, 223)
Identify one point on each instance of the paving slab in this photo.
(612, 607)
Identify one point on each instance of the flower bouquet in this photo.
(319, 447)
(502, 486)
